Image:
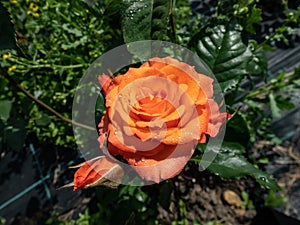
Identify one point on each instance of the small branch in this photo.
(262, 90)
(172, 22)
(35, 65)
(29, 95)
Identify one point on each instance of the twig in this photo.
(262, 90)
(284, 162)
(29, 95)
(172, 22)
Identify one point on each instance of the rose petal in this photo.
(185, 74)
(135, 73)
(106, 83)
(121, 143)
(216, 118)
(149, 149)
(164, 165)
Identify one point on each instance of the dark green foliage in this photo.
(244, 11)
(230, 57)
(144, 19)
(62, 39)
(230, 163)
(224, 51)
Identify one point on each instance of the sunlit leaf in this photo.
(223, 49)
(230, 163)
(252, 18)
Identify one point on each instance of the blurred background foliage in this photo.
(56, 41)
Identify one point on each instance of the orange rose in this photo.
(156, 114)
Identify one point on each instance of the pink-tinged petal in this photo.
(98, 171)
(165, 165)
(216, 118)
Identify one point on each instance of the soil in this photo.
(203, 195)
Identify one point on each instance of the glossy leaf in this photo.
(230, 163)
(227, 85)
(144, 19)
(222, 48)
(136, 20)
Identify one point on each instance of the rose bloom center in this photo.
(152, 116)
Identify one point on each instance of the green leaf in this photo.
(44, 120)
(253, 17)
(144, 19)
(229, 147)
(160, 18)
(165, 192)
(257, 65)
(237, 130)
(222, 48)
(5, 106)
(7, 32)
(228, 85)
(230, 163)
(284, 102)
(274, 200)
(136, 20)
(244, 11)
(274, 108)
(183, 212)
